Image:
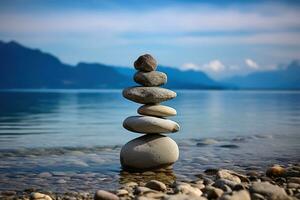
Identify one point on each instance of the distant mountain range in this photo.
(286, 78)
(24, 68)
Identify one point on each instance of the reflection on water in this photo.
(72, 138)
(166, 176)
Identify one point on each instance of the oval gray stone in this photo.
(149, 152)
(150, 125)
(268, 190)
(153, 78)
(104, 195)
(157, 110)
(145, 63)
(148, 95)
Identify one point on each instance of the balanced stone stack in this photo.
(152, 150)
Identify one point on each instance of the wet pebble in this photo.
(268, 190)
(225, 174)
(156, 185)
(39, 196)
(104, 195)
(212, 192)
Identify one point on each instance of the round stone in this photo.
(148, 95)
(104, 195)
(145, 63)
(150, 125)
(153, 78)
(156, 185)
(149, 152)
(39, 196)
(156, 110)
(275, 171)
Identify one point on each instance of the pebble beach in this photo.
(275, 183)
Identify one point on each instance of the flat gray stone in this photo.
(157, 110)
(269, 191)
(145, 63)
(148, 95)
(149, 152)
(150, 125)
(150, 79)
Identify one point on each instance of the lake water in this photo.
(72, 138)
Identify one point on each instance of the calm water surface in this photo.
(70, 139)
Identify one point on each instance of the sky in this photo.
(222, 38)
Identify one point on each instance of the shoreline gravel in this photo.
(276, 183)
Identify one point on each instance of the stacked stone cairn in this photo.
(152, 150)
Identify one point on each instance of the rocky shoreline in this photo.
(275, 183)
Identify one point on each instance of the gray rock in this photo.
(207, 181)
(156, 185)
(122, 192)
(225, 174)
(186, 188)
(240, 195)
(145, 63)
(269, 191)
(239, 186)
(256, 196)
(220, 183)
(150, 79)
(150, 125)
(157, 110)
(39, 196)
(212, 192)
(104, 195)
(148, 95)
(242, 177)
(142, 190)
(148, 152)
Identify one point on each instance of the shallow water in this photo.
(76, 135)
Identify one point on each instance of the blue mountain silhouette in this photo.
(22, 67)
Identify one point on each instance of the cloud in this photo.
(214, 66)
(173, 19)
(190, 66)
(251, 64)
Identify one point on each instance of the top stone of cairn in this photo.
(145, 63)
